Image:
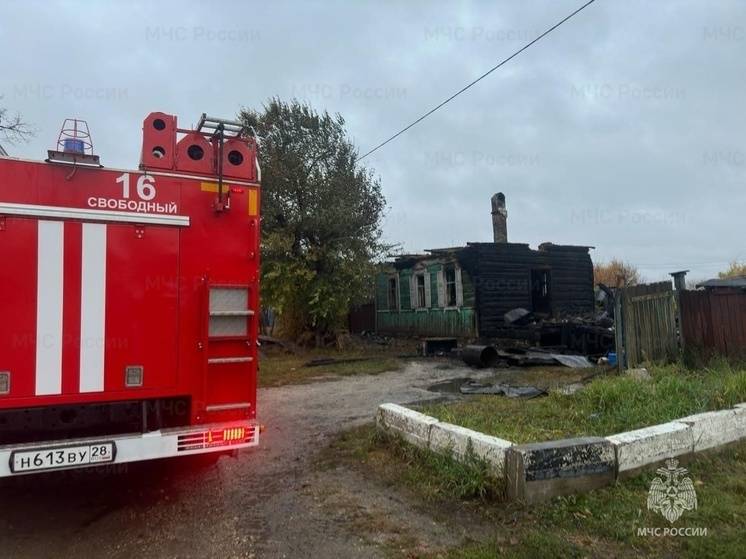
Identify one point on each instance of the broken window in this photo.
(450, 277)
(421, 293)
(393, 294)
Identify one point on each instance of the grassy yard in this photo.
(603, 523)
(281, 368)
(607, 405)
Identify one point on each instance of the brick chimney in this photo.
(499, 218)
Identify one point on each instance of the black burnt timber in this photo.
(501, 274)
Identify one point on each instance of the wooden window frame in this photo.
(396, 306)
(455, 287)
(420, 290)
(450, 302)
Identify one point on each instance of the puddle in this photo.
(450, 386)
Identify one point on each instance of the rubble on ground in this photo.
(482, 356)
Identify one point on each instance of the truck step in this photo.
(229, 360)
(227, 407)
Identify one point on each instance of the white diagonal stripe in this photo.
(93, 308)
(49, 308)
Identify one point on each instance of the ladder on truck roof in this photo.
(217, 129)
(208, 124)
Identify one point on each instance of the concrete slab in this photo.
(716, 428)
(412, 425)
(445, 437)
(539, 471)
(635, 449)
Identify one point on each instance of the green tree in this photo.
(322, 215)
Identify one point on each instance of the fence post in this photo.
(679, 282)
(619, 332)
(680, 319)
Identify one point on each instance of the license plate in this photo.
(61, 457)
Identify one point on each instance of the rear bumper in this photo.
(135, 447)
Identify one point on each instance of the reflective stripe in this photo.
(58, 212)
(49, 308)
(253, 202)
(93, 308)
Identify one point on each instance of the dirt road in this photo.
(264, 503)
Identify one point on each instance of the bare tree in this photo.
(12, 127)
(616, 273)
(736, 269)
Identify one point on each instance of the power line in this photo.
(487, 73)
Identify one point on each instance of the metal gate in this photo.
(646, 324)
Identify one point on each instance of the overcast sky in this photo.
(623, 129)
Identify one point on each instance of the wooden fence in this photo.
(714, 322)
(646, 324)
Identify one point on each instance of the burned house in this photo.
(466, 291)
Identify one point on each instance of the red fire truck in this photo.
(129, 299)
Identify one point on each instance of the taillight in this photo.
(213, 438)
(234, 434)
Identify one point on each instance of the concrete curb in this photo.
(413, 426)
(427, 432)
(716, 428)
(445, 437)
(539, 471)
(642, 447)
